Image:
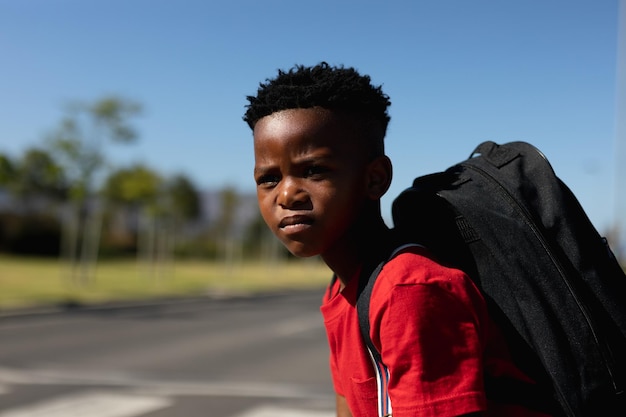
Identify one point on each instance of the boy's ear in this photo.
(379, 174)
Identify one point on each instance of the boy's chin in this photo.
(304, 254)
(300, 251)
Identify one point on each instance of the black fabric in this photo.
(366, 284)
(550, 280)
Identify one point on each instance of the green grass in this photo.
(27, 282)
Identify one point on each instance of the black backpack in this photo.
(550, 280)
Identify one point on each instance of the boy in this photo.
(320, 170)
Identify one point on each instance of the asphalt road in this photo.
(243, 357)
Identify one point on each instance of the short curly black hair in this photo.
(322, 85)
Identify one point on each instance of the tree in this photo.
(225, 225)
(38, 175)
(138, 189)
(182, 205)
(161, 207)
(78, 142)
(136, 186)
(8, 171)
(183, 197)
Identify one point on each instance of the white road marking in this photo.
(284, 412)
(10, 376)
(92, 404)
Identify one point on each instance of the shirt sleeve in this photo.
(430, 334)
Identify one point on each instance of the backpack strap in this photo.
(366, 285)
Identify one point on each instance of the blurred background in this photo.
(121, 137)
(126, 175)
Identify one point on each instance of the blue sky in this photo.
(458, 72)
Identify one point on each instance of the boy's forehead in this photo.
(296, 119)
(299, 131)
(315, 125)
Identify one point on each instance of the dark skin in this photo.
(319, 190)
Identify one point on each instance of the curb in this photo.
(78, 308)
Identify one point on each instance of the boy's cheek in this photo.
(268, 220)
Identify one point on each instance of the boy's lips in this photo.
(293, 221)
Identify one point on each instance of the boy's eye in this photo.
(268, 180)
(315, 170)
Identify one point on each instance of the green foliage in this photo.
(137, 185)
(183, 197)
(112, 114)
(38, 174)
(35, 173)
(80, 160)
(78, 141)
(8, 171)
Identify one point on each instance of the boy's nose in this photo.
(291, 194)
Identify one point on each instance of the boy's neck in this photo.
(369, 237)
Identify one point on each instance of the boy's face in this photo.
(311, 177)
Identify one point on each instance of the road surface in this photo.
(240, 357)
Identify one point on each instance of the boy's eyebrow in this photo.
(305, 159)
(262, 169)
(312, 159)
(320, 156)
(315, 155)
